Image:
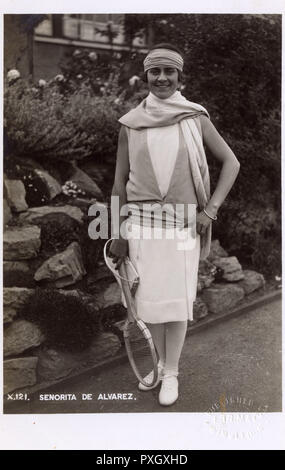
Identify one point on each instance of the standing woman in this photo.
(161, 161)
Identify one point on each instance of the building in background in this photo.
(37, 44)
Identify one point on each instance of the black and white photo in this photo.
(142, 272)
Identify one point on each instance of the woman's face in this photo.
(162, 81)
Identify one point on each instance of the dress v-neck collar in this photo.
(152, 167)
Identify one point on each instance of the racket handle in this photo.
(112, 269)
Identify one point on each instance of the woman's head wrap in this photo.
(163, 57)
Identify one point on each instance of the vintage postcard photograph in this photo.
(142, 216)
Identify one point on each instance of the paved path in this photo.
(233, 366)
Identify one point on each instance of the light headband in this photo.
(165, 57)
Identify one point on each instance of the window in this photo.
(102, 28)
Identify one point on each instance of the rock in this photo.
(28, 164)
(21, 242)
(35, 212)
(252, 281)
(220, 297)
(104, 346)
(8, 315)
(17, 273)
(216, 251)
(234, 277)
(20, 336)
(55, 364)
(110, 296)
(54, 188)
(59, 169)
(64, 268)
(72, 292)
(7, 214)
(98, 172)
(16, 193)
(200, 309)
(14, 298)
(206, 274)
(19, 373)
(86, 184)
(232, 270)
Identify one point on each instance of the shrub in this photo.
(252, 234)
(90, 68)
(58, 230)
(43, 123)
(64, 319)
(37, 193)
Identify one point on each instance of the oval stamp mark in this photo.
(236, 417)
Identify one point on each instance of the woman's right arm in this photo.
(119, 246)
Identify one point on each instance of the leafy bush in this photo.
(90, 68)
(43, 123)
(64, 319)
(252, 234)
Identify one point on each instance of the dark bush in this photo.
(65, 320)
(37, 193)
(58, 230)
(252, 234)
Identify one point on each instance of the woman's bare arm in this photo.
(222, 152)
(119, 246)
(230, 168)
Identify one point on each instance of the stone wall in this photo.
(47, 247)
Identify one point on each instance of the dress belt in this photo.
(161, 214)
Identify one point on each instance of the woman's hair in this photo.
(164, 45)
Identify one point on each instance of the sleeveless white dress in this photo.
(168, 268)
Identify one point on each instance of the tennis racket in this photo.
(137, 337)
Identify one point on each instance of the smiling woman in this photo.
(163, 81)
(161, 159)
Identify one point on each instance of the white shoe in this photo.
(169, 390)
(149, 378)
